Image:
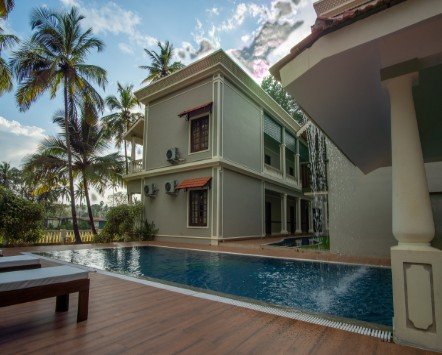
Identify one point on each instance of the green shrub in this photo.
(126, 223)
(21, 221)
(147, 231)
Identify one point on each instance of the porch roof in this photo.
(337, 80)
(136, 131)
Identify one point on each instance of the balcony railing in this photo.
(272, 171)
(136, 166)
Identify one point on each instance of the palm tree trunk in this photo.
(71, 178)
(125, 157)
(89, 208)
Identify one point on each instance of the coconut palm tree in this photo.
(53, 60)
(161, 63)
(9, 176)
(5, 7)
(119, 122)
(6, 41)
(91, 167)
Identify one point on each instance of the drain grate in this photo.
(384, 335)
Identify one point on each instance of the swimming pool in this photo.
(356, 292)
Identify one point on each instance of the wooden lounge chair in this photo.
(59, 281)
(19, 262)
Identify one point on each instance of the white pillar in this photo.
(310, 216)
(282, 153)
(297, 164)
(284, 214)
(298, 216)
(416, 266)
(132, 156)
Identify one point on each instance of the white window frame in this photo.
(209, 143)
(209, 199)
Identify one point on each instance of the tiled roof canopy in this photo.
(195, 111)
(194, 183)
(326, 24)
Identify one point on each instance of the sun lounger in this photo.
(19, 262)
(59, 281)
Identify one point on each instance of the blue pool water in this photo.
(350, 291)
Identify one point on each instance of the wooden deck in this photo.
(129, 317)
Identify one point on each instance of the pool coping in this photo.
(263, 256)
(378, 331)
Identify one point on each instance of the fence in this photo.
(64, 236)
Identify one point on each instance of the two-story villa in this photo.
(221, 159)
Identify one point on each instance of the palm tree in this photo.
(119, 122)
(9, 176)
(53, 58)
(6, 7)
(90, 166)
(6, 41)
(161, 64)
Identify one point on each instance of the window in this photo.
(199, 134)
(291, 171)
(198, 208)
(267, 159)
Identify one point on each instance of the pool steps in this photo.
(384, 335)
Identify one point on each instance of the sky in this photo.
(255, 33)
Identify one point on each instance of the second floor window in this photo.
(199, 134)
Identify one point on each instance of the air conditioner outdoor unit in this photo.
(172, 155)
(150, 190)
(170, 187)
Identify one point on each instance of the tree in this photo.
(90, 166)
(274, 88)
(6, 41)
(53, 59)
(21, 221)
(5, 7)
(118, 123)
(161, 63)
(9, 176)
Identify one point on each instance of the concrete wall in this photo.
(134, 187)
(170, 213)
(243, 209)
(360, 206)
(166, 130)
(242, 130)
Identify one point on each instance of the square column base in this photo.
(417, 295)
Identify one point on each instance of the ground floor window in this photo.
(198, 208)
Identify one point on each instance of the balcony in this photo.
(136, 166)
(275, 172)
(134, 136)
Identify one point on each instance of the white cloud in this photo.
(17, 140)
(112, 18)
(125, 48)
(70, 3)
(214, 11)
(246, 38)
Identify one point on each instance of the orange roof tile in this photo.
(196, 110)
(193, 183)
